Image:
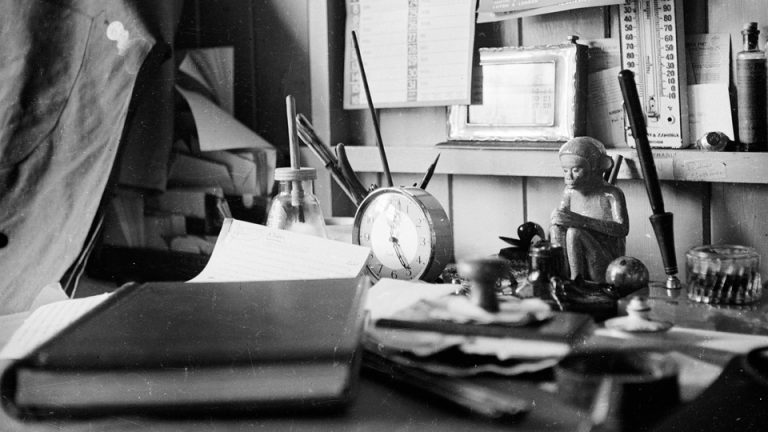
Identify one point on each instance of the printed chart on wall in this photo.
(415, 52)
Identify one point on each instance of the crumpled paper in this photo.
(466, 355)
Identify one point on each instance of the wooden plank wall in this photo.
(277, 52)
(484, 207)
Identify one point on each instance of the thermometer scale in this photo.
(654, 51)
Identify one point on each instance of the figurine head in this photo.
(584, 160)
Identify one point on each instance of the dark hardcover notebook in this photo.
(566, 327)
(169, 347)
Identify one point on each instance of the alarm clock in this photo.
(408, 232)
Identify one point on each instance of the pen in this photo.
(643, 147)
(375, 118)
(350, 177)
(293, 143)
(310, 138)
(613, 174)
(661, 221)
(430, 171)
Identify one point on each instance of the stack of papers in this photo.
(427, 327)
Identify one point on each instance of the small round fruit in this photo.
(628, 274)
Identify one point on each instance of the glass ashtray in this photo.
(723, 274)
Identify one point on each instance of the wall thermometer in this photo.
(654, 51)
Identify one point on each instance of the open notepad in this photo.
(251, 252)
(244, 252)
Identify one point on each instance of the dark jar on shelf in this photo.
(751, 93)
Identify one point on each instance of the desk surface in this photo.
(378, 407)
(387, 407)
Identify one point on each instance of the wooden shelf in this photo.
(675, 165)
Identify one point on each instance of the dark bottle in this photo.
(544, 261)
(751, 93)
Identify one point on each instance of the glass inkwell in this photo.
(295, 208)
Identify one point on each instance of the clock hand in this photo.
(399, 252)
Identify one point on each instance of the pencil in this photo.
(375, 118)
(430, 172)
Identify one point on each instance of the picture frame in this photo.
(524, 96)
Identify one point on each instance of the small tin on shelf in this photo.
(723, 274)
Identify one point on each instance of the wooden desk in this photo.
(386, 407)
(378, 407)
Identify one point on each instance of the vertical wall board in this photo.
(613, 26)
(543, 196)
(282, 65)
(695, 16)
(413, 127)
(739, 217)
(485, 208)
(326, 62)
(360, 127)
(492, 34)
(728, 16)
(587, 23)
(510, 32)
(686, 201)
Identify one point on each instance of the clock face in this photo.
(401, 233)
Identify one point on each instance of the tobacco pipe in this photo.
(662, 221)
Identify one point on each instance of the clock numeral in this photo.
(366, 236)
(418, 260)
(408, 272)
(418, 222)
(393, 275)
(423, 241)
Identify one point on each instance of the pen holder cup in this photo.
(627, 390)
(723, 274)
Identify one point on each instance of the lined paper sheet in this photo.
(45, 322)
(250, 252)
(415, 53)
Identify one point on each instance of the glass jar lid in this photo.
(724, 251)
(295, 174)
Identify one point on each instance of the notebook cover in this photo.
(565, 327)
(161, 327)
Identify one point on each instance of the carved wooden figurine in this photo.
(591, 222)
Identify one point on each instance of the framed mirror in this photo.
(524, 96)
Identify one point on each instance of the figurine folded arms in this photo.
(591, 222)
